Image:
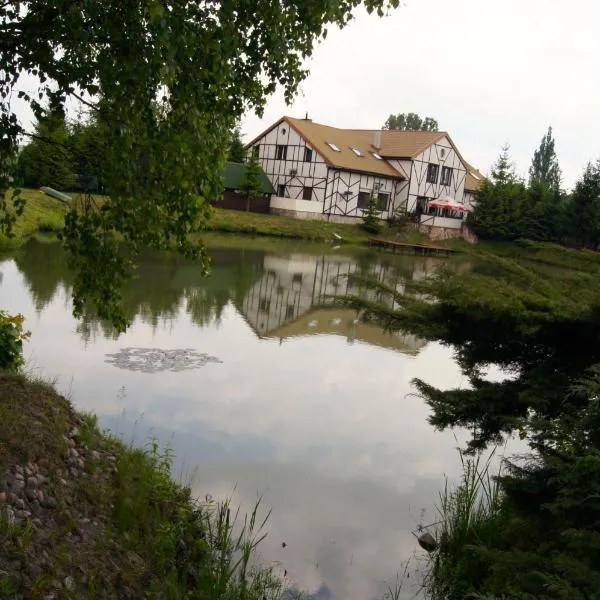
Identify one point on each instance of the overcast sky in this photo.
(489, 72)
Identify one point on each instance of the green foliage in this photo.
(46, 159)
(371, 221)
(236, 151)
(584, 208)
(468, 515)
(544, 166)
(540, 323)
(50, 224)
(507, 209)
(11, 341)
(411, 122)
(173, 80)
(503, 170)
(251, 185)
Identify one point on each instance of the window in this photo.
(421, 205)
(377, 156)
(363, 199)
(432, 173)
(307, 193)
(333, 146)
(446, 175)
(256, 151)
(356, 150)
(307, 155)
(382, 200)
(283, 131)
(281, 152)
(281, 190)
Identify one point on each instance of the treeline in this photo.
(71, 155)
(509, 207)
(63, 155)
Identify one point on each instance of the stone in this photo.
(20, 503)
(95, 455)
(19, 470)
(40, 496)
(30, 494)
(74, 432)
(80, 463)
(48, 502)
(63, 481)
(69, 583)
(3, 497)
(40, 479)
(427, 542)
(37, 522)
(11, 517)
(32, 481)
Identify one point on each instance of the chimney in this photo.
(306, 117)
(377, 139)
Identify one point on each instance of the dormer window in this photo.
(377, 156)
(356, 150)
(333, 147)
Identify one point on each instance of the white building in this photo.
(325, 172)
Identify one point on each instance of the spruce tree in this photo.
(544, 166)
(251, 186)
(236, 151)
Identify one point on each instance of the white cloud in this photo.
(489, 72)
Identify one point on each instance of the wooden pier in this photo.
(414, 248)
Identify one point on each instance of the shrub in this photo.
(371, 222)
(52, 224)
(11, 341)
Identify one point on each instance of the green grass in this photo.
(232, 221)
(156, 541)
(470, 515)
(39, 209)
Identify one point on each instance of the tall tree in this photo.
(251, 185)
(503, 170)
(584, 208)
(236, 151)
(544, 166)
(47, 160)
(410, 122)
(203, 63)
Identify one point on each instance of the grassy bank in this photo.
(83, 515)
(43, 213)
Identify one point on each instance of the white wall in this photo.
(443, 154)
(343, 188)
(446, 222)
(297, 205)
(280, 172)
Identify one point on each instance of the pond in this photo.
(260, 391)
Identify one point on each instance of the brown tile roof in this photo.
(319, 135)
(408, 144)
(394, 144)
(474, 179)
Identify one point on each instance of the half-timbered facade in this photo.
(321, 171)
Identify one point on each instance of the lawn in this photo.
(43, 213)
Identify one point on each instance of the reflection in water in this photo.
(325, 429)
(154, 360)
(280, 296)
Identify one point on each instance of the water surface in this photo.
(276, 396)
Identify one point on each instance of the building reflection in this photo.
(280, 295)
(293, 298)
